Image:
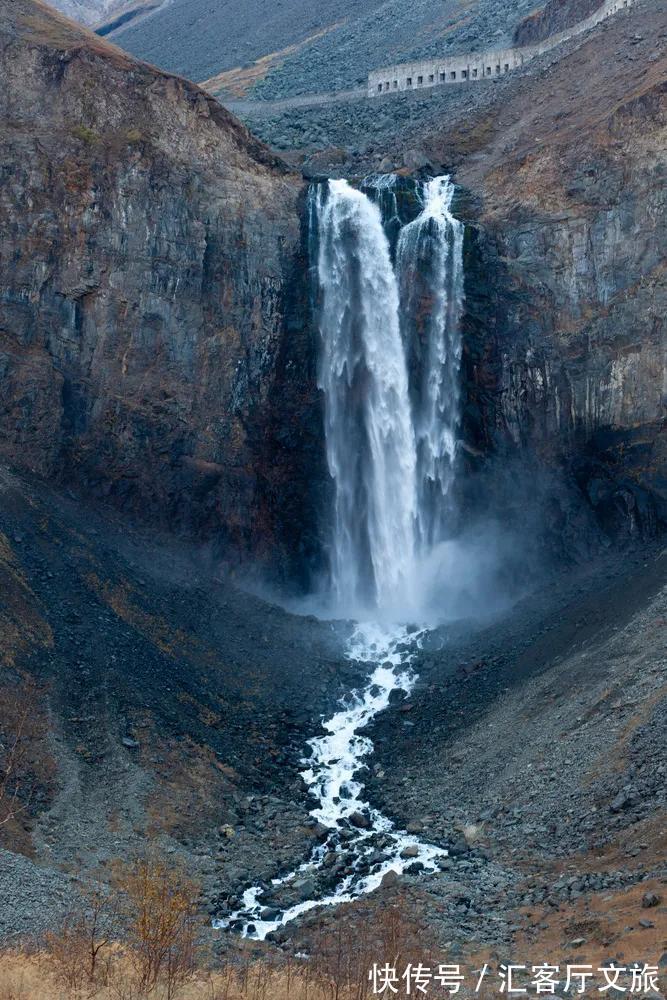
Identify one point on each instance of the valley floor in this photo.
(534, 747)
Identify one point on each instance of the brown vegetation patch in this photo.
(27, 768)
(42, 25)
(171, 641)
(241, 79)
(609, 924)
(191, 787)
(152, 907)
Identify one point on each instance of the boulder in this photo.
(651, 899)
(360, 820)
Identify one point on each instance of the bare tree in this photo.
(162, 924)
(22, 727)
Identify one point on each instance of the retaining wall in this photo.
(478, 65)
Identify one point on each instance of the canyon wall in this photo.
(567, 292)
(154, 325)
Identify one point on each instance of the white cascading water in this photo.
(391, 420)
(429, 262)
(368, 425)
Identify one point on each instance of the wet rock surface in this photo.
(562, 187)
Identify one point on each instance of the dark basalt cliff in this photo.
(566, 346)
(155, 347)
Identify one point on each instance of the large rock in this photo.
(360, 820)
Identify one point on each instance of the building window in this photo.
(379, 88)
(431, 78)
(507, 67)
(497, 69)
(408, 82)
(464, 74)
(420, 79)
(395, 84)
(488, 71)
(474, 72)
(452, 75)
(386, 86)
(442, 78)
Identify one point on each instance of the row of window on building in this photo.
(453, 75)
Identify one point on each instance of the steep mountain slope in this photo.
(569, 179)
(152, 293)
(156, 352)
(175, 708)
(200, 40)
(178, 710)
(554, 16)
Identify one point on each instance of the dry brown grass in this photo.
(25, 976)
(165, 955)
(42, 25)
(22, 625)
(32, 976)
(119, 597)
(241, 79)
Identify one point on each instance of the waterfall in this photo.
(389, 364)
(368, 425)
(430, 268)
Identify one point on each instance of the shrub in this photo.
(86, 134)
(161, 924)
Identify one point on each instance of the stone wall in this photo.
(475, 66)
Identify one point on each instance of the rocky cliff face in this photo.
(566, 348)
(154, 335)
(562, 171)
(156, 348)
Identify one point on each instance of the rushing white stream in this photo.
(332, 777)
(389, 370)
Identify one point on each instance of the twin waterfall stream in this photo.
(388, 263)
